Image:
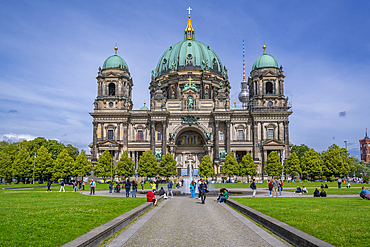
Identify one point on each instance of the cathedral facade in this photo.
(190, 114)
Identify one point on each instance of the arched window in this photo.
(268, 88)
(190, 138)
(112, 89)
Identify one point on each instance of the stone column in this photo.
(255, 140)
(102, 132)
(118, 134)
(93, 152)
(152, 136)
(164, 137)
(125, 136)
(216, 140)
(227, 136)
(286, 138)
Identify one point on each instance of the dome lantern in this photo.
(265, 61)
(115, 61)
(189, 30)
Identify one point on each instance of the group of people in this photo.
(80, 184)
(202, 190)
(317, 193)
(127, 185)
(223, 195)
(301, 190)
(274, 186)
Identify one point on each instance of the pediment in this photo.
(273, 142)
(106, 143)
(190, 91)
(111, 74)
(270, 73)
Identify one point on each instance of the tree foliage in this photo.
(361, 168)
(247, 166)
(125, 166)
(311, 164)
(103, 166)
(336, 161)
(300, 150)
(63, 165)
(273, 166)
(292, 165)
(22, 165)
(82, 166)
(167, 166)
(43, 163)
(206, 167)
(231, 166)
(148, 166)
(5, 165)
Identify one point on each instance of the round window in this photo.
(164, 60)
(190, 56)
(269, 103)
(110, 104)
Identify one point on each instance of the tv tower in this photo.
(244, 94)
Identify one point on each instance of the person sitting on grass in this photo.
(348, 186)
(298, 190)
(326, 186)
(322, 193)
(150, 197)
(224, 196)
(316, 193)
(322, 186)
(365, 192)
(304, 190)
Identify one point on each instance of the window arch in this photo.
(112, 89)
(269, 88)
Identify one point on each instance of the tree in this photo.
(206, 167)
(167, 166)
(311, 164)
(148, 166)
(22, 165)
(63, 165)
(43, 163)
(72, 151)
(273, 166)
(125, 166)
(5, 161)
(247, 166)
(82, 166)
(361, 168)
(292, 165)
(103, 166)
(231, 166)
(335, 161)
(54, 147)
(300, 150)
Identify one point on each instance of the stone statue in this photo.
(223, 154)
(158, 154)
(172, 135)
(205, 64)
(226, 75)
(208, 134)
(190, 102)
(153, 74)
(174, 66)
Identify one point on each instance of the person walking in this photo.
(169, 187)
(92, 187)
(280, 187)
(253, 187)
(270, 187)
(62, 186)
(192, 189)
(134, 188)
(79, 184)
(75, 186)
(83, 185)
(202, 191)
(110, 187)
(128, 187)
(142, 185)
(49, 184)
(339, 183)
(275, 186)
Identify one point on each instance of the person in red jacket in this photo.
(150, 197)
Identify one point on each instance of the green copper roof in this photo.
(234, 107)
(144, 108)
(265, 61)
(115, 61)
(188, 54)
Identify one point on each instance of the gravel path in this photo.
(184, 221)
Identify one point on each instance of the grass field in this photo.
(333, 191)
(53, 219)
(339, 221)
(293, 185)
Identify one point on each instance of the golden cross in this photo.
(189, 9)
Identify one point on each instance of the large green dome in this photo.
(265, 61)
(189, 54)
(115, 61)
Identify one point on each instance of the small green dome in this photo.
(189, 54)
(265, 61)
(234, 107)
(115, 61)
(144, 108)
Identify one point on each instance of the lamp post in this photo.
(259, 146)
(111, 161)
(34, 161)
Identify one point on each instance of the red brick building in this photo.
(365, 148)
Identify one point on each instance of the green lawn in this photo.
(333, 191)
(341, 221)
(293, 185)
(53, 219)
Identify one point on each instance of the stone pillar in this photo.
(152, 136)
(255, 140)
(125, 136)
(227, 136)
(118, 134)
(102, 132)
(164, 137)
(93, 152)
(216, 140)
(286, 138)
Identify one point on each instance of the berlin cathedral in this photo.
(189, 114)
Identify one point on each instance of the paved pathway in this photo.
(184, 221)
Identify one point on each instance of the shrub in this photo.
(147, 182)
(175, 180)
(332, 178)
(324, 177)
(366, 178)
(238, 182)
(316, 177)
(305, 180)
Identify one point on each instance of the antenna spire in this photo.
(243, 63)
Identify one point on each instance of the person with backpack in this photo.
(128, 187)
(275, 187)
(110, 187)
(280, 186)
(134, 188)
(62, 187)
(169, 187)
(270, 187)
(253, 187)
(202, 191)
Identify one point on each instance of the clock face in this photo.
(110, 104)
(269, 103)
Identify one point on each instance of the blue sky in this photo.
(50, 52)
